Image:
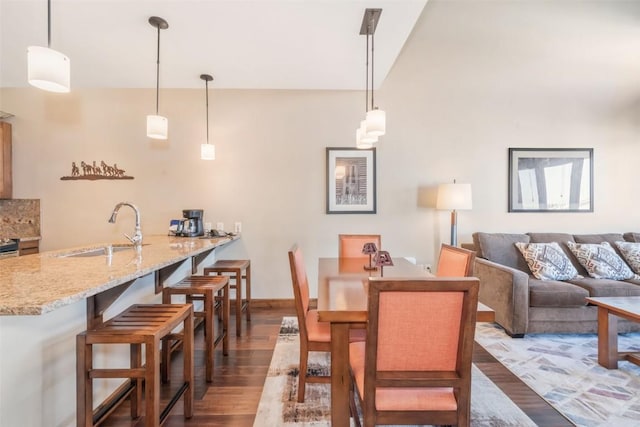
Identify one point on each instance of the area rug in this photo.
(278, 404)
(564, 370)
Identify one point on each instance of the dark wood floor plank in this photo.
(232, 399)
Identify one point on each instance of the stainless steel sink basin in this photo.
(100, 251)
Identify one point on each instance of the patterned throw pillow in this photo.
(631, 253)
(547, 261)
(601, 261)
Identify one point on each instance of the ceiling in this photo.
(257, 44)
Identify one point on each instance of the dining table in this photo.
(342, 301)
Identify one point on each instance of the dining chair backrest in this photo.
(314, 335)
(455, 262)
(300, 285)
(432, 361)
(350, 245)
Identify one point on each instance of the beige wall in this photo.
(475, 78)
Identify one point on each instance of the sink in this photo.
(100, 251)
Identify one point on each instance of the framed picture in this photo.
(550, 180)
(351, 181)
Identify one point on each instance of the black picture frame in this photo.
(550, 180)
(351, 180)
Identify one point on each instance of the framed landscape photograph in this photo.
(550, 180)
(351, 181)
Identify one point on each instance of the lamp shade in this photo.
(340, 172)
(362, 143)
(365, 139)
(383, 259)
(207, 152)
(369, 248)
(48, 69)
(454, 196)
(157, 127)
(376, 122)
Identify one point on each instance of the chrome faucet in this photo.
(136, 240)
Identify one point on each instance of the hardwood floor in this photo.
(232, 399)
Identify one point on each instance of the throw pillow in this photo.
(547, 261)
(601, 261)
(631, 253)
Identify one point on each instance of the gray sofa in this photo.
(524, 304)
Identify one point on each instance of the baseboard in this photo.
(273, 303)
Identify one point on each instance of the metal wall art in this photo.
(92, 171)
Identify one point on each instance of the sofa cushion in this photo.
(500, 248)
(610, 238)
(607, 287)
(547, 261)
(631, 237)
(597, 238)
(631, 253)
(562, 239)
(551, 293)
(601, 261)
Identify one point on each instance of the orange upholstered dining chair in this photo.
(405, 374)
(455, 262)
(350, 245)
(314, 335)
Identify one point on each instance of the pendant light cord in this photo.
(157, 73)
(366, 100)
(49, 24)
(372, 61)
(206, 85)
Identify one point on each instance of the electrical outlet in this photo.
(425, 267)
(237, 227)
(220, 226)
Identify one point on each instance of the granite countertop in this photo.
(40, 283)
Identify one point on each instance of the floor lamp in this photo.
(454, 197)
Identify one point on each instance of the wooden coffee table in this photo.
(609, 309)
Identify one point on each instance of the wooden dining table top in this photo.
(343, 286)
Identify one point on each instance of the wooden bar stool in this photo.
(206, 289)
(137, 326)
(234, 269)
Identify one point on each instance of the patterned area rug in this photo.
(564, 370)
(278, 405)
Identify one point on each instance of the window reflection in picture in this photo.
(557, 180)
(351, 182)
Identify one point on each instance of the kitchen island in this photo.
(46, 299)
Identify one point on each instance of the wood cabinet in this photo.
(6, 182)
(28, 247)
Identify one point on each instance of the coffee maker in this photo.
(191, 225)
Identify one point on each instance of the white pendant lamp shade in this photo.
(48, 69)
(376, 122)
(365, 135)
(207, 151)
(157, 127)
(363, 142)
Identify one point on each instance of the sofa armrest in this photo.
(506, 291)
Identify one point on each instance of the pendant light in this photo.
(207, 151)
(370, 128)
(48, 69)
(157, 126)
(376, 118)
